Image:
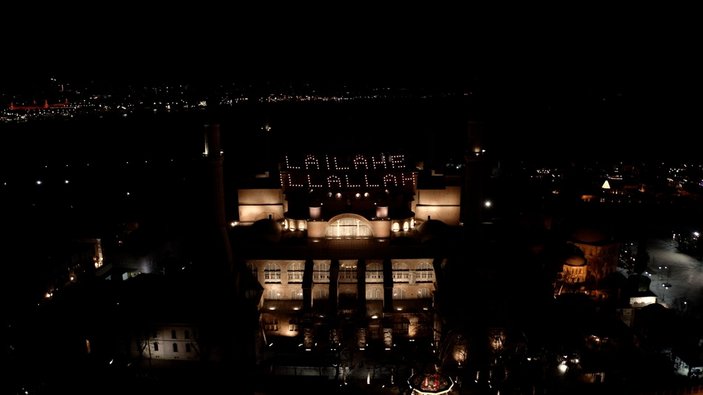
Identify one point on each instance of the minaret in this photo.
(215, 156)
(476, 174)
(238, 340)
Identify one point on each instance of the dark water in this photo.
(414, 126)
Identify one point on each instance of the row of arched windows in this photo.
(423, 272)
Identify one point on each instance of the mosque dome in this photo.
(432, 229)
(575, 260)
(589, 236)
(267, 230)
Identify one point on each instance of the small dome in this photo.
(588, 236)
(575, 260)
(432, 229)
(266, 230)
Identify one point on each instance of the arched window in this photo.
(401, 326)
(347, 272)
(374, 293)
(272, 273)
(273, 294)
(175, 347)
(424, 273)
(401, 274)
(295, 272)
(349, 226)
(395, 227)
(322, 293)
(374, 272)
(187, 334)
(156, 346)
(399, 294)
(296, 294)
(321, 272)
(270, 324)
(293, 325)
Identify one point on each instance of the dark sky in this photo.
(419, 44)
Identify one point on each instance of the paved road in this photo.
(683, 272)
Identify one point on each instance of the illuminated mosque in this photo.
(346, 252)
(347, 238)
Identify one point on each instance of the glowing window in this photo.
(424, 273)
(321, 272)
(374, 293)
(347, 272)
(401, 274)
(295, 272)
(272, 273)
(374, 272)
(399, 294)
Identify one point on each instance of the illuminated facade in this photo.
(349, 252)
(600, 251)
(168, 341)
(594, 258)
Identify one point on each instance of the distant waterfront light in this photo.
(487, 204)
(39, 182)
